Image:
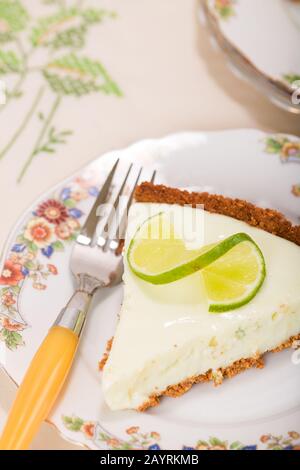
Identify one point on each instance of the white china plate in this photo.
(257, 409)
(261, 39)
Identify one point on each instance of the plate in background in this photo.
(261, 41)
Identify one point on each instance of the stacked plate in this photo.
(261, 41)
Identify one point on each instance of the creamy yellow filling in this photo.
(166, 334)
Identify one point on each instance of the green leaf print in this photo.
(12, 339)
(214, 441)
(70, 203)
(73, 423)
(15, 289)
(53, 139)
(32, 247)
(274, 145)
(30, 265)
(62, 29)
(94, 15)
(13, 18)
(236, 445)
(225, 9)
(10, 63)
(291, 78)
(202, 443)
(69, 74)
(58, 246)
(79, 75)
(59, 3)
(66, 28)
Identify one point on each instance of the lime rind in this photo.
(253, 289)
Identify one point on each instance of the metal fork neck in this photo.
(73, 316)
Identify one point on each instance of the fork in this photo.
(96, 262)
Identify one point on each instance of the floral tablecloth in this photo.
(80, 77)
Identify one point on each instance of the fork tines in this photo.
(106, 222)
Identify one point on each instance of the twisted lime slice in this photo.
(233, 270)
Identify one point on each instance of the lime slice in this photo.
(235, 278)
(233, 270)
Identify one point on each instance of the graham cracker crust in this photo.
(217, 376)
(103, 361)
(269, 220)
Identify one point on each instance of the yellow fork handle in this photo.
(40, 388)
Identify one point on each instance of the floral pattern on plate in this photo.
(54, 223)
(291, 78)
(101, 438)
(288, 150)
(138, 440)
(296, 190)
(267, 442)
(232, 23)
(225, 8)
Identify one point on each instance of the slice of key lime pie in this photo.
(207, 291)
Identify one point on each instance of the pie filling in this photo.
(166, 339)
